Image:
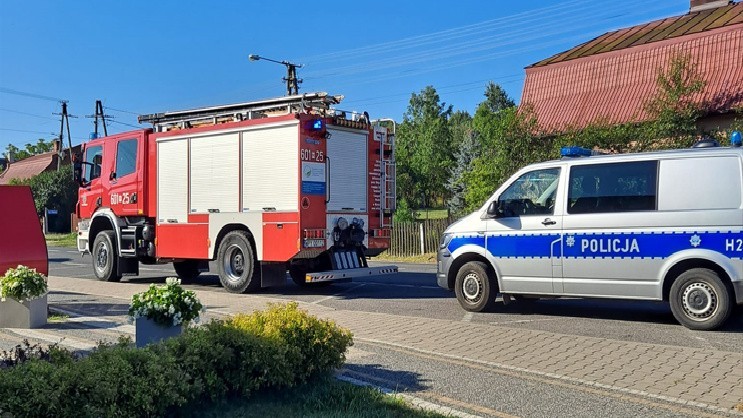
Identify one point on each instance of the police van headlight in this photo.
(445, 240)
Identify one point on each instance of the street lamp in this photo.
(292, 82)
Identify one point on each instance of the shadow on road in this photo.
(634, 311)
(395, 380)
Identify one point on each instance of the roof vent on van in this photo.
(706, 142)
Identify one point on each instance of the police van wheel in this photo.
(475, 287)
(700, 300)
(236, 263)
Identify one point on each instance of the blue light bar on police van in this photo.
(575, 152)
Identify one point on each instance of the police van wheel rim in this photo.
(472, 287)
(699, 301)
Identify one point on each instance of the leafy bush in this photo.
(168, 305)
(26, 351)
(277, 348)
(22, 283)
(313, 345)
(54, 190)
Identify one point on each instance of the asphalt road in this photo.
(413, 292)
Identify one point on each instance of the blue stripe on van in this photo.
(605, 245)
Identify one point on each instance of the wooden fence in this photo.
(416, 238)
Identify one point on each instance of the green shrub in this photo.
(278, 348)
(221, 360)
(313, 345)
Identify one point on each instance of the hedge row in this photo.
(280, 347)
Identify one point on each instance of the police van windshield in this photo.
(533, 193)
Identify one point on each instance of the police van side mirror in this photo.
(494, 210)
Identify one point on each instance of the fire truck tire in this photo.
(236, 263)
(187, 269)
(105, 257)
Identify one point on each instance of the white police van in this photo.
(653, 226)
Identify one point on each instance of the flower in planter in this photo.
(167, 305)
(22, 283)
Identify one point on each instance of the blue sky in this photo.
(153, 56)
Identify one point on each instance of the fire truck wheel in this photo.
(105, 257)
(187, 269)
(236, 263)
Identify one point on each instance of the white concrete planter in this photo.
(29, 314)
(148, 331)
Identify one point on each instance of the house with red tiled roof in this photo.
(35, 164)
(611, 78)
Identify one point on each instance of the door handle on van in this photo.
(548, 221)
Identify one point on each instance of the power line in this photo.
(122, 111)
(27, 114)
(34, 95)
(124, 123)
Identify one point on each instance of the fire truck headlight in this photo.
(342, 223)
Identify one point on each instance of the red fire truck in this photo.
(262, 187)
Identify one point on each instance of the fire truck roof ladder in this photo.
(319, 102)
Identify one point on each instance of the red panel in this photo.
(23, 240)
(182, 241)
(311, 205)
(201, 218)
(281, 240)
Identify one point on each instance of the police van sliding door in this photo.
(611, 215)
(524, 239)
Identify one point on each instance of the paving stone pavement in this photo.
(696, 377)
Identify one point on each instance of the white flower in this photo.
(172, 281)
(171, 309)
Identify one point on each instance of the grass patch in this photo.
(57, 317)
(324, 397)
(422, 214)
(62, 240)
(427, 258)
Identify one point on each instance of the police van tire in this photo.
(475, 287)
(105, 257)
(187, 269)
(236, 263)
(700, 300)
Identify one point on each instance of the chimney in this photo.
(699, 5)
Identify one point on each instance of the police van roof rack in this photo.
(319, 102)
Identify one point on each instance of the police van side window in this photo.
(93, 156)
(533, 193)
(618, 187)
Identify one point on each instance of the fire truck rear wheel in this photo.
(187, 269)
(236, 263)
(105, 257)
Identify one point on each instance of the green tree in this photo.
(673, 107)
(466, 146)
(423, 151)
(54, 190)
(496, 99)
(41, 146)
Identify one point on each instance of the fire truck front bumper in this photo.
(345, 275)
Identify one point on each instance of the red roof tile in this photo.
(614, 86)
(656, 31)
(27, 168)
